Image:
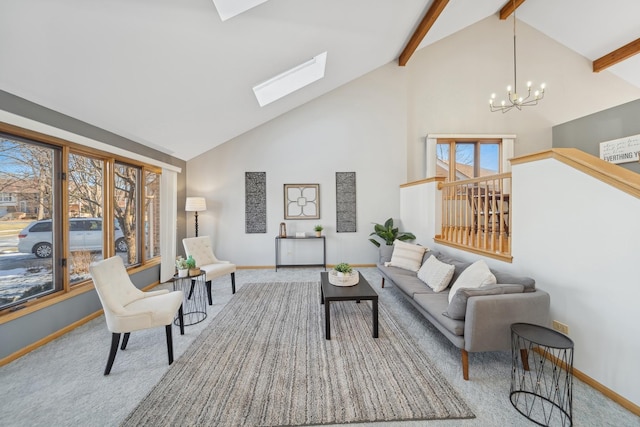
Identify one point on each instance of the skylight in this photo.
(291, 80)
(230, 8)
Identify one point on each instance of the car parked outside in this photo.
(85, 234)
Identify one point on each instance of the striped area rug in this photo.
(264, 361)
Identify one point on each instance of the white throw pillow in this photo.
(474, 276)
(436, 274)
(407, 255)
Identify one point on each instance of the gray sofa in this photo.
(477, 319)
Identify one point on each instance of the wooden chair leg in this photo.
(125, 340)
(208, 285)
(465, 364)
(233, 282)
(169, 343)
(115, 340)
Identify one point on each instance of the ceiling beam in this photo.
(618, 55)
(509, 8)
(427, 22)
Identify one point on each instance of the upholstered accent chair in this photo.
(128, 309)
(200, 249)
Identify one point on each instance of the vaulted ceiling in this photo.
(173, 76)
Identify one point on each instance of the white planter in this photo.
(183, 273)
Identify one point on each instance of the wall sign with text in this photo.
(621, 150)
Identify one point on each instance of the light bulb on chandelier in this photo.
(515, 100)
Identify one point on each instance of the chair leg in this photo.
(233, 282)
(181, 319)
(169, 343)
(383, 282)
(193, 285)
(115, 340)
(125, 340)
(208, 284)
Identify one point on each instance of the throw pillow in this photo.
(458, 306)
(436, 274)
(474, 276)
(407, 255)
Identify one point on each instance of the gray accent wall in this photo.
(586, 133)
(29, 329)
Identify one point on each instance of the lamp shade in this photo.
(197, 204)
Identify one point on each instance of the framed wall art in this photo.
(301, 201)
(346, 202)
(255, 204)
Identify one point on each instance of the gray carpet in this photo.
(61, 383)
(265, 362)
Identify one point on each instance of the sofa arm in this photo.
(488, 320)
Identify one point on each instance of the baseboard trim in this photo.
(620, 400)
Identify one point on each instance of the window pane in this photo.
(489, 159)
(26, 233)
(85, 208)
(465, 160)
(126, 214)
(152, 215)
(442, 160)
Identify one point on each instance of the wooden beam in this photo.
(618, 55)
(427, 22)
(509, 8)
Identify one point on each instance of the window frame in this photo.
(477, 142)
(63, 289)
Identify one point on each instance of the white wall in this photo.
(450, 83)
(360, 127)
(588, 262)
(579, 239)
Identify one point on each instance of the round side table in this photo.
(194, 306)
(541, 374)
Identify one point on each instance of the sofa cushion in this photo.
(457, 308)
(407, 255)
(436, 304)
(436, 274)
(508, 278)
(459, 265)
(474, 276)
(405, 280)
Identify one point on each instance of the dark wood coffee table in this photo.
(357, 293)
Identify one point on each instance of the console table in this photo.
(306, 238)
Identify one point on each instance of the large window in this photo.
(27, 227)
(56, 218)
(462, 159)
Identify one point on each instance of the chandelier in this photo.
(513, 98)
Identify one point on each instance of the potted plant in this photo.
(343, 269)
(318, 229)
(388, 234)
(182, 266)
(191, 265)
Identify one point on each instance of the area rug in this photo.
(264, 361)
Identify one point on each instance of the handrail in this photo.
(476, 214)
(614, 175)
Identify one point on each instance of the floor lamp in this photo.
(195, 204)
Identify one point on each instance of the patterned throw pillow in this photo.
(436, 274)
(407, 255)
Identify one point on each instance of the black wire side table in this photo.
(194, 306)
(541, 374)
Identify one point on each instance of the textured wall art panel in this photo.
(346, 202)
(255, 209)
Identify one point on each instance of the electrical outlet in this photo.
(561, 327)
